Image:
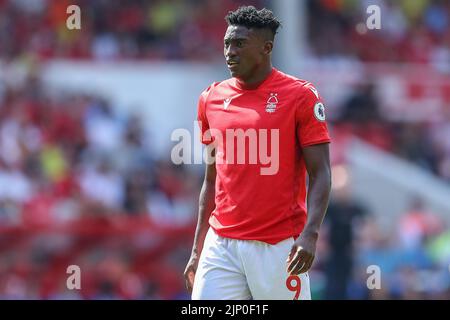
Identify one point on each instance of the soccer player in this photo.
(255, 236)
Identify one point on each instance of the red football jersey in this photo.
(259, 134)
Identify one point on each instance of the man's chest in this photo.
(266, 109)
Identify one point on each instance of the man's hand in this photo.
(189, 272)
(302, 254)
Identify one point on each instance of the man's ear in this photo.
(268, 46)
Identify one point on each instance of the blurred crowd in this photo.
(411, 31)
(67, 158)
(412, 259)
(102, 258)
(111, 30)
(72, 153)
(422, 142)
(359, 260)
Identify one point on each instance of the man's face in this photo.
(244, 51)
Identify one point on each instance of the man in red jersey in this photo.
(255, 236)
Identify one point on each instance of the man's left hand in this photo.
(302, 254)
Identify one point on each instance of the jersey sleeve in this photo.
(205, 135)
(311, 123)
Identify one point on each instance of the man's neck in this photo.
(258, 79)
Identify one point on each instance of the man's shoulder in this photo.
(291, 82)
(213, 87)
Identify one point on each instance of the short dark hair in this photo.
(250, 17)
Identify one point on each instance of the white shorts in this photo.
(231, 269)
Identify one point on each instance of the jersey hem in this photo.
(274, 242)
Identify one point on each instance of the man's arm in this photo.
(206, 206)
(317, 161)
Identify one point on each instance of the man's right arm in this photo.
(206, 206)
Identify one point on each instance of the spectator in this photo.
(342, 218)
